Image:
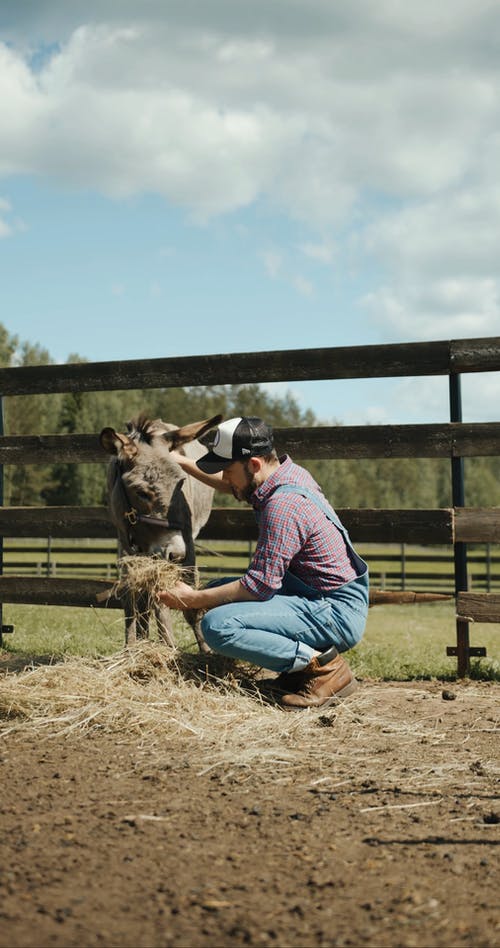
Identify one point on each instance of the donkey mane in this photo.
(145, 427)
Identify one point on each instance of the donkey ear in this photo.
(189, 432)
(113, 442)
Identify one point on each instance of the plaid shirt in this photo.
(295, 535)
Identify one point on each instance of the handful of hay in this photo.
(148, 575)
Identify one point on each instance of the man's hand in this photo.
(181, 596)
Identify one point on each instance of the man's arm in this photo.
(190, 467)
(183, 596)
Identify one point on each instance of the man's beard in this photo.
(245, 493)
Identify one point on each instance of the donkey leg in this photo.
(136, 619)
(193, 617)
(164, 624)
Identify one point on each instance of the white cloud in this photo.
(442, 257)
(273, 262)
(215, 113)
(439, 309)
(9, 225)
(5, 229)
(321, 252)
(302, 285)
(277, 268)
(376, 125)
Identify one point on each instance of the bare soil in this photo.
(107, 843)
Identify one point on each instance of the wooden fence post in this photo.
(3, 628)
(462, 650)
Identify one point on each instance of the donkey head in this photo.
(150, 504)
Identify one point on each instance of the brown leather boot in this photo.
(273, 689)
(326, 678)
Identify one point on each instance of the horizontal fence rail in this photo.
(478, 607)
(427, 526)
(292, 365)
(372, 441)
(234, 523)
(55, 591)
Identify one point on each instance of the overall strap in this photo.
(321, 502)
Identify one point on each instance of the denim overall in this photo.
(284, 632)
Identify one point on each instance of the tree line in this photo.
(384, 482)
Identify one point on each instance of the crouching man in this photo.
(304, 597)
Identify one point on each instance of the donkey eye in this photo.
(144, 494)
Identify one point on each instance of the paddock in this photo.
(455, 440)
(149, 798)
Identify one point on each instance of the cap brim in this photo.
(212, 463)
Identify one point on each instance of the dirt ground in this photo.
(395, 843)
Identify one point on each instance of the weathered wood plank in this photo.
(391, 441)
(233, 523)
(364, 525)
(478, 607)
(477, 524)
(398, 526)
(50, 591)
(55, 522)
(46, 591)
(341, 441)
(475, 355)
(51, 449)
(378, 361)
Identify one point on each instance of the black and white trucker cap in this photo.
(236, 440)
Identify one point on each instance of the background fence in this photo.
(398, 568)
(455, 526)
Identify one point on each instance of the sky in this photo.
(181, 178)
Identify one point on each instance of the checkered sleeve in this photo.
(284, 529)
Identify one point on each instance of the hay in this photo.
(149, 574)
(209, 710)
(146, 576)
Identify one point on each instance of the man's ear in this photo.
(255, 464)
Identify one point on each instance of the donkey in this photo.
(156, 509)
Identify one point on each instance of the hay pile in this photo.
(157, 692)
(208, 708)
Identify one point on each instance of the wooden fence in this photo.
(455, 440)
(401, 570)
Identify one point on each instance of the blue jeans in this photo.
(283, 633)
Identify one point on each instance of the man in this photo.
(304, 597)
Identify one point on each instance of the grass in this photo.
(401, 643)
(407, 642)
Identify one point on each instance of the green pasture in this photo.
(401, 643)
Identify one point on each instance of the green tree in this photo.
(26, 415)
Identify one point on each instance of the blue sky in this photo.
(180, 178)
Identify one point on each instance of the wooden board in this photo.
(376, 361)
(339, 441)
(233, 523)
(477, 524)
(478, 607)
(49, 591)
